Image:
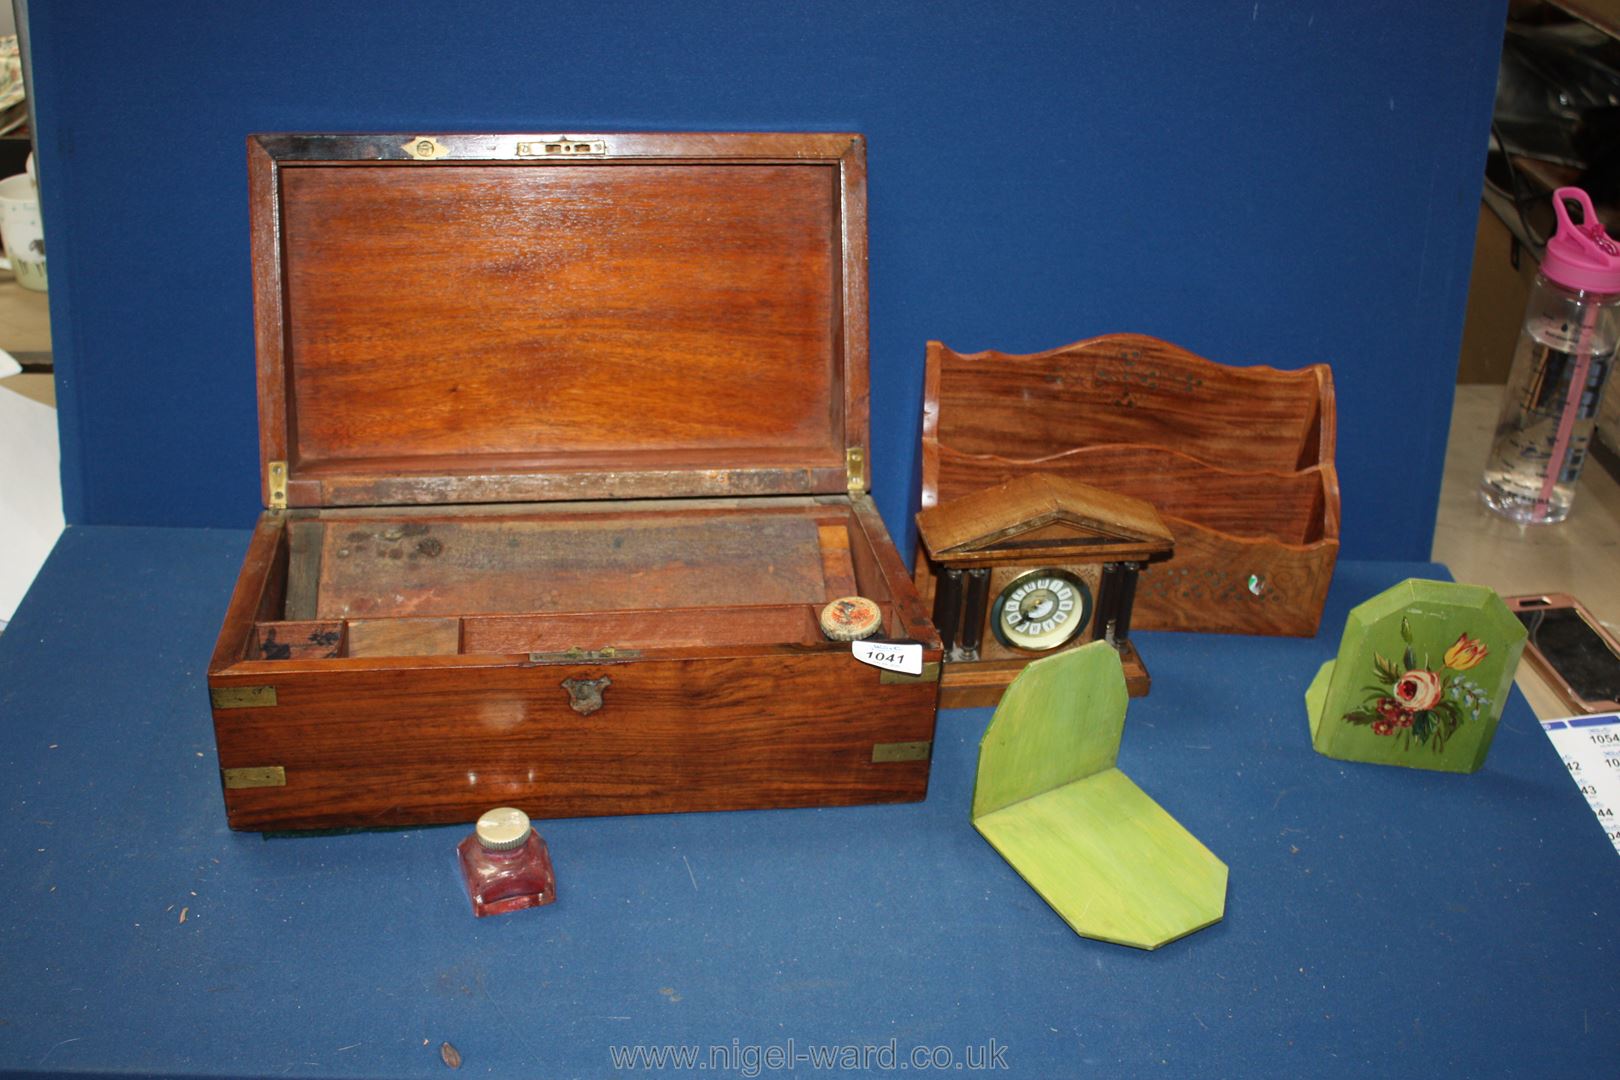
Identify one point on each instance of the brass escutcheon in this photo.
(585, 695)
(425, 148)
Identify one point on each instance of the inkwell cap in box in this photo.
(504, 828)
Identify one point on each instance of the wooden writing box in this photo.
(564, 447)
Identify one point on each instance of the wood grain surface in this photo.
(493, 310)
(491, 565)
(681, 315)
(1238, 460)
(282, 639)
(837, 568)
(260, 593)
(1043, 510)
(1287, 506)
(594, 574)
(403, 637)
(661, 628)
(976, 685)
(391, 745)
(663, 338)
(710, 707)
(1128, 388)
(1235, 584)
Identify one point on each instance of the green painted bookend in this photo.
(1107, 858)
(1421, 677)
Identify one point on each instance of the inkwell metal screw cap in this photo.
(851, 618)
(504, 828)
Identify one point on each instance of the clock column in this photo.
(978, 596)
(1127, 597)
(947, 606)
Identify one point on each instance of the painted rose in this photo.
(1418, 690)
(1423, 706)
(1467, 653)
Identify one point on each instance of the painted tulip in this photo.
(1465, 654)
(1418, 690)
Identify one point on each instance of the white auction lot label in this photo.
(1590, 747)
(902, 656)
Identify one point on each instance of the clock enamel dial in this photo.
(1041, 610)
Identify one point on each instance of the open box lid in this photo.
(512, 318)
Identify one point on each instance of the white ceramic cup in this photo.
(21, 230)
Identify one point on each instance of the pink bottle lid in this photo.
(1581, 256)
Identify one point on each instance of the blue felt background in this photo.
(1380, 922)
(1256, 181)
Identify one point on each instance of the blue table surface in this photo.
(1379, 921)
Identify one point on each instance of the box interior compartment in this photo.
(505, 580)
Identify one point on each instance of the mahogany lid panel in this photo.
(651, 316)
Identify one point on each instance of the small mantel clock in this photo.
(1028, 568)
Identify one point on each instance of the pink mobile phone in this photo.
(1572, 650)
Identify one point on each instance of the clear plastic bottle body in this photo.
(502, 881)
(1549, 408)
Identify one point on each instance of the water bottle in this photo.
(1565, 351)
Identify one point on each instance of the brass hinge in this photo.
(259, 776)
(242, 697)
(901, 751)
(855, 470)
(577, 655)
(277, 483)
(930, 673)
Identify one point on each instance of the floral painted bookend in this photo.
(1422, 674)
(1107, 858)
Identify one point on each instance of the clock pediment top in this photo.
(1042, 510)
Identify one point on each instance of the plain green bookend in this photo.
(1048, 798)
(1422, 674)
